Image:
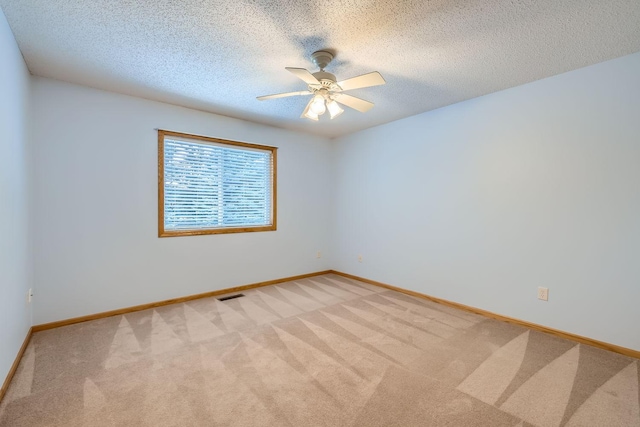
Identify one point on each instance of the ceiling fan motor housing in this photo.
(323, 75)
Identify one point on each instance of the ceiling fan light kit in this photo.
(317, 104)
(334, 109)
(327, 91)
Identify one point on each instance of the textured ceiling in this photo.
(218, 56)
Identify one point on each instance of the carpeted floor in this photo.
(324, 351)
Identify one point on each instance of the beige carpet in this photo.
(325, 351)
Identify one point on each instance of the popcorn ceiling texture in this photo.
(218, 56)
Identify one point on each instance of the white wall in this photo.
(15, 256)
(95, 215)
(484, 201)
(480, 203)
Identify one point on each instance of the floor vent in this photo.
(230, 297)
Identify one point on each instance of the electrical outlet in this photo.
(319, 254)
(359, 258)
(30, 295)
(543, 294)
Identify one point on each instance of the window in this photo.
(208, 185)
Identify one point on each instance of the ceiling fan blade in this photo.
(365, 80)
(303, 75)
(283, 95)
(353, 102)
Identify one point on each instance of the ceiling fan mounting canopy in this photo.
(321, 58)
(327, 90)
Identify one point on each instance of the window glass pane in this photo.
(213, 185)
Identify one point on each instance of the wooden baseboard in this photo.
(59, 323)
(16, 362)
(567, 335)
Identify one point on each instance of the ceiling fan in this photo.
(327, 92)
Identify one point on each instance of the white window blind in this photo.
(213, 185)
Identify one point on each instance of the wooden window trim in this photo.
(196, 232)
